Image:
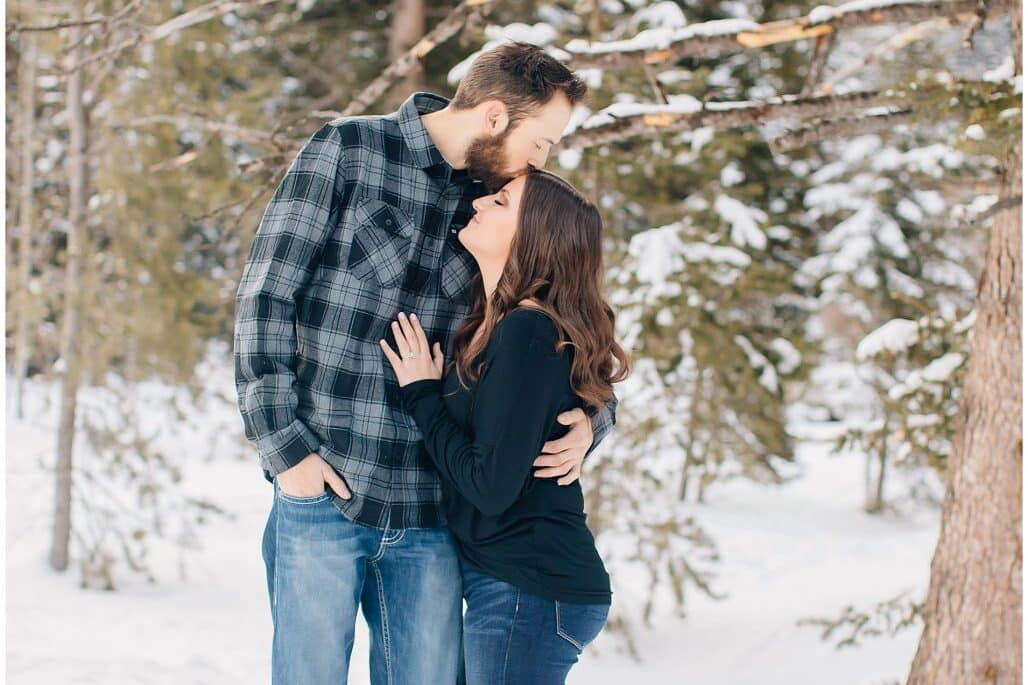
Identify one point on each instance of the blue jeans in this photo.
(321, 566)
(512, 637)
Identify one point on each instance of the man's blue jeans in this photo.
(321, 567)
(512, 637)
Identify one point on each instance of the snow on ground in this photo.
(802, 549)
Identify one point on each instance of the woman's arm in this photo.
(517, 400)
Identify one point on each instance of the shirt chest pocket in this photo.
(381, 243)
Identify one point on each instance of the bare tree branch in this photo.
(822, 48)
(975, 24)
(658, 89)
(15, 27)
(124, 16)
(211, 10)
(896, 42)
(249, 135)
(842, 127)
(464, 12)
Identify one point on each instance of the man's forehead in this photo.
(549, 119)
(547, 128)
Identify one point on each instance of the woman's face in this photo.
(489, 234)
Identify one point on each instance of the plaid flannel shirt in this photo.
(362, 226)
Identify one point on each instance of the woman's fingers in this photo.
(422, 339)
(408, 333)
(390, 355)
(574, 474)
(402, 346)
(412, 337)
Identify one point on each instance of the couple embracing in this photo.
(423, 359)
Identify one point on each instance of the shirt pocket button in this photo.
(381, 243)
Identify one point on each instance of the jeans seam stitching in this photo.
(380, 552)
(315, 499)
(385, 622)
(510, 635)
(565, 635)
(274, 573)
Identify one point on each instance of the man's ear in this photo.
(496, 118)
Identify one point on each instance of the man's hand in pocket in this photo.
(308, 478)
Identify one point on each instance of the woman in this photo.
(539, 341)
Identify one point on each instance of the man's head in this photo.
(522, 98)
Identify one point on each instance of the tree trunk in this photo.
(70, 365)
(26, 98)
(876, 501)
(407, 28)
(972, 628)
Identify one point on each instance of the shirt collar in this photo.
(415, 135)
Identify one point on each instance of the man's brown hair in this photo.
(520, 75)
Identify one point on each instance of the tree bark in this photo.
(70, 365)
(408, 27)
(26, 97)
(972, 614)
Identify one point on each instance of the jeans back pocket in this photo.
(579, 624)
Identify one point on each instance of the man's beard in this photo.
(486, 161)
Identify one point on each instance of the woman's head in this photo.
(545, 242)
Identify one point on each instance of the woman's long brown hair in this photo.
(556, 258)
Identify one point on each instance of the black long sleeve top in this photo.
(527, 531)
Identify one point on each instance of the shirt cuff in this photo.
(287, 448)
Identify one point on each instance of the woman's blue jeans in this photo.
(512, 637)
(321, 567)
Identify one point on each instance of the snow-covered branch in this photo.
(621, 121)
(661, 46)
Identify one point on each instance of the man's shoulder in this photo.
(355, 143)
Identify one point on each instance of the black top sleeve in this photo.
(516, 401)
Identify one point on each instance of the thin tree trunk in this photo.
(868, 476)
(972, 631)
(26, 97)
(407, 28)
(70, 371)
(690, 430)
(876, 501)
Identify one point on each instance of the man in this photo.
(363, 226)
